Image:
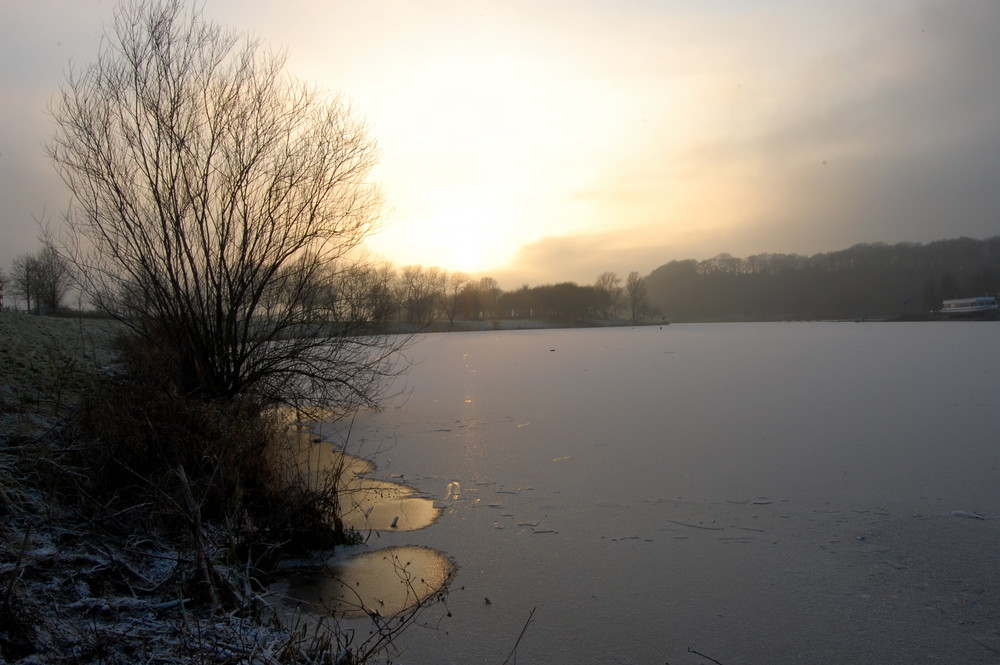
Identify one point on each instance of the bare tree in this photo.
(608, 287)
(54, 277)
(24, 281)
(210, 193)
(451, 293)
(489, 295)
(364, 294)
(635, 290)
(420, 290)
(42, 279)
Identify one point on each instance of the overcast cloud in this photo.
(552, 141)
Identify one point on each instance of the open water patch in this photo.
(351, 584)
(366, 503)
(384, 582)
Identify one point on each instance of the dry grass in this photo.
(97, 572)
(45, 364)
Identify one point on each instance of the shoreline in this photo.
(487, 325)
(120, 598)
(73, 584)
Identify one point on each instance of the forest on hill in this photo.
(865, 281)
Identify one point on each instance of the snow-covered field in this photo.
(757, 493)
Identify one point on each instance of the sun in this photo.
(463, 235)
(470, 238)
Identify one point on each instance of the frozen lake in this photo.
(758, 493)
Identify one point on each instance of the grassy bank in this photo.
(45, 364)
(127, 576)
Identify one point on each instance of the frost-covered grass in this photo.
(90, 574)
(45, 363)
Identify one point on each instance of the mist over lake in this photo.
(758, 493)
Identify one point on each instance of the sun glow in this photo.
(472, 238)
(466, 237)
(488, 157)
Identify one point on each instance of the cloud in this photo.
(581, 258)
(612, 137)
(903, 144)
(40, 39)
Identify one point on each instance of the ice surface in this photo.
(761, 493)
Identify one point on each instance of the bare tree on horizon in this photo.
(608, 286)
(635, 290)
(42, 279)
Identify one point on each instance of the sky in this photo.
(539, 141)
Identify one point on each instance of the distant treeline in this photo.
(873, 280)
(864, 281)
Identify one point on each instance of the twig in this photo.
(698, 653)
(16, 573)
(523, 631)
(195, 516)
(697, 526)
